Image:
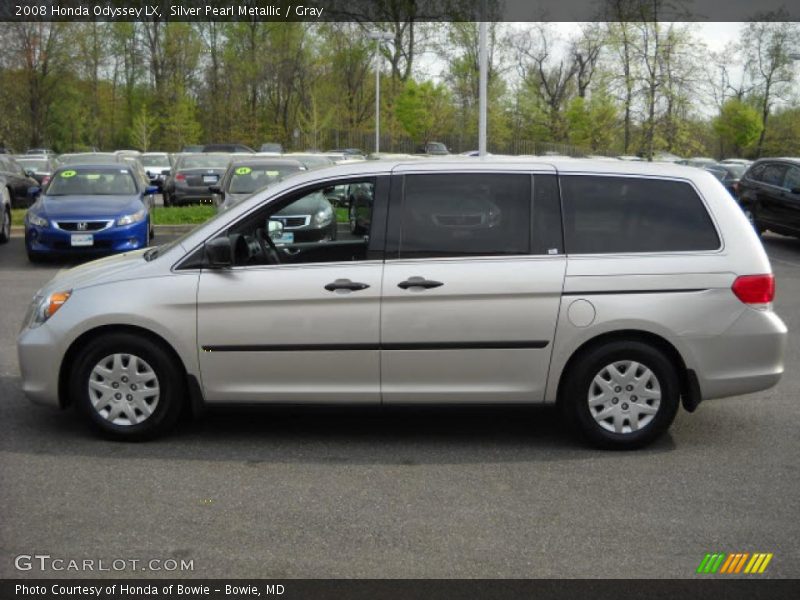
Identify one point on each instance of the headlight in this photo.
(35, 219)
(44, 307)
(134, 218)
(324, 217)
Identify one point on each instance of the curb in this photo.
(160, 229)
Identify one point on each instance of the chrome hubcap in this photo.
(123, 389)
(624, 397)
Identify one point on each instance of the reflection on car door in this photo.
(472, 290)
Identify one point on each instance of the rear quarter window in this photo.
(604, 215)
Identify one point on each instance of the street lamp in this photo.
(378, 36)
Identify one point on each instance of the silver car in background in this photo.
(617, 291)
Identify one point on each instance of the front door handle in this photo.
(346, 284)
(420, 282)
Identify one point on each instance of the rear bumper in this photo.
(189, 194)
(747, 358)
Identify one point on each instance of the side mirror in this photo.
(34, 191)
(275, 230)
(29, 172)
(219, 253)
(215, 189)
(150, 190)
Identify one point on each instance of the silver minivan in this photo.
(616, 291)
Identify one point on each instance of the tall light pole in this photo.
(378, 36)
(482, 82)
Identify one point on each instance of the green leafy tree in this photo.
(738, 125)
(424, 110)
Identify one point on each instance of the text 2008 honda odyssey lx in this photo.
(616, 291)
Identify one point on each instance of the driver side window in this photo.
(327, 223)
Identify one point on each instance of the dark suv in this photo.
(769, 193)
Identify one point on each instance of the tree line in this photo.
(630, 84)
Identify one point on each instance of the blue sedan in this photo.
(89, 210)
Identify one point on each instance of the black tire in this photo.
(167, 198)
(5, 225)
(579, 382)
(170, 382)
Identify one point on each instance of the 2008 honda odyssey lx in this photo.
(616, 291)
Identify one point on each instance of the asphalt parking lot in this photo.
(404, 493)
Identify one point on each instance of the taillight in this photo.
(755, 289)
(180, 177)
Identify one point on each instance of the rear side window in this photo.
(465, 215)
(773, 174)
(792, 180)
(605, 215)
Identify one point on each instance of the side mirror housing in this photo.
(219, 253)
(275, 230)
(34, 191)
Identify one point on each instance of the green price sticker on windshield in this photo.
(69, 173)
(243, 170)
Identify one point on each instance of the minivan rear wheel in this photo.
(128, 387)
(622, 395)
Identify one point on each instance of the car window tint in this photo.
(465, 215)
(621, 215)
(755, 172)
(773, 174)
(792, 179)
(314, 228)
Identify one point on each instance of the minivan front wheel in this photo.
(128, 387)
(623, 394)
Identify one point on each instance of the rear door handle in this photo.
(419, 282)
(346, 284)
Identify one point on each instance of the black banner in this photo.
(399, 10)
(403, 589)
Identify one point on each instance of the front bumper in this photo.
(39, 361)
(50, 241)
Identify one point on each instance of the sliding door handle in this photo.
(419, 282)
(346, 284)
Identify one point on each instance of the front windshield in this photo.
(250, 179)
(92, 182)
(736, 170)
(32, 164)
(204, 161)
(154, 160)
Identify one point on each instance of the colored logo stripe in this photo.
(734, 563)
